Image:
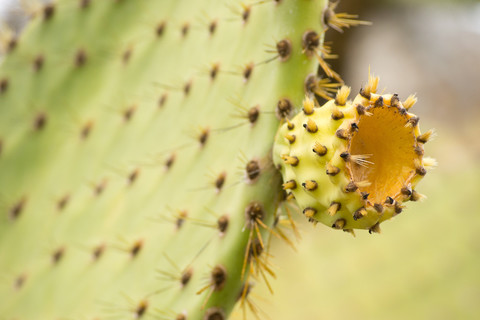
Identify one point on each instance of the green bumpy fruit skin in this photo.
(312, 151)
(115, 133)
(313, 167)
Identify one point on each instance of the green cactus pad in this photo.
(135, 154)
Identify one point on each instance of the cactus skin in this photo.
(127, 127)
(352, 165)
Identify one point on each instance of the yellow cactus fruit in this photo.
(352, 165)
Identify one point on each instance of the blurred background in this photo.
(426, 262)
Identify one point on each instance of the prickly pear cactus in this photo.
(136, 138)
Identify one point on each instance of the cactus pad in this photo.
(135, 151)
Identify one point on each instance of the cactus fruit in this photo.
(352, 165)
